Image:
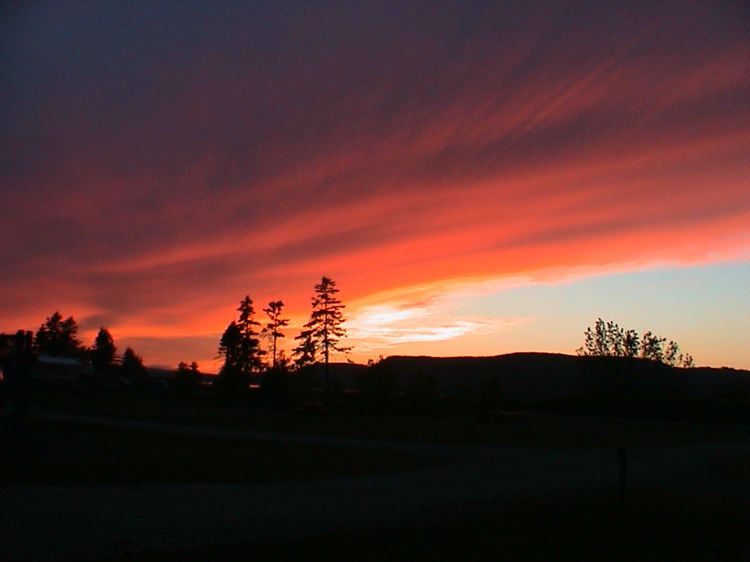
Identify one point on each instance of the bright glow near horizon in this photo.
(703, 308)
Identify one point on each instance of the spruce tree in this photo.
(132, 366)
(103, 352)
(240, 347)
(57, 337)
(324, 330)
(274, 326)
(250, 358)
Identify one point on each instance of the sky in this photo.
(478, 177)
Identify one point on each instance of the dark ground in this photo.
(84, 454)
(652, 526)
(701, 519)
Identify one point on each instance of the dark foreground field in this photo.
(497, 428)
(652, 526)
(514, 487)
(649, 523)
(86, 454)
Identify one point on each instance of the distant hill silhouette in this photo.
(519, 376)
(536, 376)
(724, 382)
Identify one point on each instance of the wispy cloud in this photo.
(388, 325)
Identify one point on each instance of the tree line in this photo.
(608, 339)
(244, 355)
(240, 344)
(58, 337)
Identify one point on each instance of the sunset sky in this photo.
(478, 177)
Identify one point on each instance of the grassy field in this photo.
(653, 526)
(511, 430)
(82, 454)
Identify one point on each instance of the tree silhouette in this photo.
(671, 352)
(274, 326)
(103, 351)
(57, 336)
(187, 375)
(596, 340)
(305, 353)
(132, 365)
(631, 343)
(250, 351)
(324, 330)
(230, 348)
(686, 361)
(651, 347)
(240, 347)
(607, 339)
